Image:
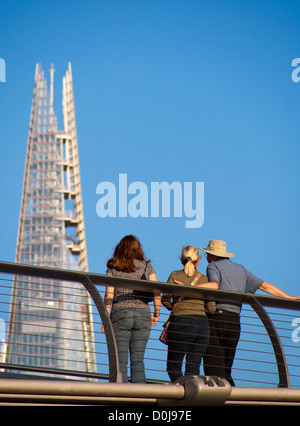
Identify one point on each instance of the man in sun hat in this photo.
(225, 323)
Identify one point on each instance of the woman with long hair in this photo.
(188, 335)
(130, 314)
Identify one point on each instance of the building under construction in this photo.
(52, 234)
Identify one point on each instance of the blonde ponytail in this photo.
(189, 258)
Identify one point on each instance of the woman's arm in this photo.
(156, 301)
(108, 298)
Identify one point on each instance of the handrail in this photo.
(282, 367)
(192, 391)
(108, 280)
(114, 372)
(91, 280)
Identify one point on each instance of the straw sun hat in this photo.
(217, 248)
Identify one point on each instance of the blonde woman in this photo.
(188, 335)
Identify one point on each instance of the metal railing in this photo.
(267, 354)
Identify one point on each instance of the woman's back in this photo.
(124, 297)
(188, 306)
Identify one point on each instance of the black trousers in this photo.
(188, 337)
(225, 331)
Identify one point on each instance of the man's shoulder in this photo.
(228, 264)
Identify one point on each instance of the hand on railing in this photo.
(275, 291)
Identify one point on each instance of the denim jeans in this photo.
(132, 330)
(188, 336)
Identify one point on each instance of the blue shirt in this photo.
(232, 277)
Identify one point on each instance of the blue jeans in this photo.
(188, 336)
(132, 330)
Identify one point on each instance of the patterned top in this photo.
(124, 297)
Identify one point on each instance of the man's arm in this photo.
(275, 291)
(213, 285)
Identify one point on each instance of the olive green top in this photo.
(187, 306)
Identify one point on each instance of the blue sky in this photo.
(193, 91)
(185, 91)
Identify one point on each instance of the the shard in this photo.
(50, 322)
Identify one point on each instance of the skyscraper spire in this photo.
(51, 233)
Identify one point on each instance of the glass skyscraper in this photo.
(50, 322)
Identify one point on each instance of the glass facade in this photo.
(51, 322)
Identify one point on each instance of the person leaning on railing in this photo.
(225, 323)
(188, 335)
(130, 314)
